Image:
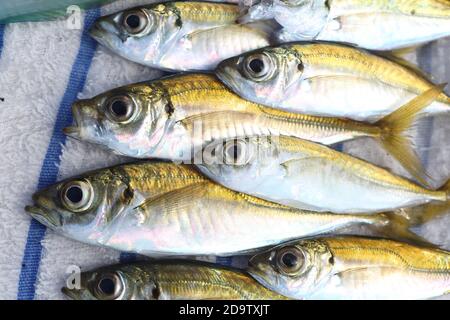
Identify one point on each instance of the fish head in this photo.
(129, 121)
(140, 34)
(242, 162)
(117, 282)
(293, 269)
(264, 75)
(83, 207)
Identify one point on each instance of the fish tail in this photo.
(394, 129)
(398, 226)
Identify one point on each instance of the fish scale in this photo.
(204, 11)
(349, 60)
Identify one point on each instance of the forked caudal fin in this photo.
(398, 224)
(393, 132)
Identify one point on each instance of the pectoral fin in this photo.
(297, 165)
(224, 124)
(214, 118)
(173, 201)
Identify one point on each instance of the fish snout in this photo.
(227, 72)
(106, 32)
(85, 119)
(43, 210)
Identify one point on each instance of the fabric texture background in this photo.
(44, 67)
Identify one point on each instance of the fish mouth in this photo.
(105, 33)
(260, 273)
(99, 34)
(44, 216)
(225, 71)
(96, 31)
(74, 131)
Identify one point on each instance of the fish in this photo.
(168, 280)
(310, 176)
(353, 268)
(180, 36)
(165, 209)
(325, 79)
(365, 24)
(41, 10)
(174, 117)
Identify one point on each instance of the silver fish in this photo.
(310, 176)
(168, 280)
(353, 268)
(173, 117)
(167, 209)
(180, 35)
(326, 79)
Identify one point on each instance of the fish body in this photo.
(327, 80)
(168, 280)
(173, 117)
(180, 36)
(168, 209)
(41, 10)
(374, 25)
(353, 268)
(310, 176)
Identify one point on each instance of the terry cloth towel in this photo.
(44, 67)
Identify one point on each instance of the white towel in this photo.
(37, 81)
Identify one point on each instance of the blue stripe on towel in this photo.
(2, 33)
(49, 171)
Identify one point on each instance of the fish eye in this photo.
(290, 260)
(258, 67)
(135, 21)
(109, 287)
(120, 109)
(235, 152)
(77, 196)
